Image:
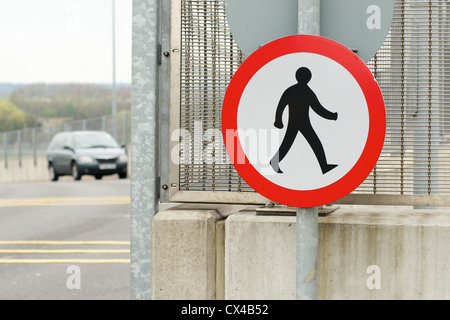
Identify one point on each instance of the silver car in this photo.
(79, 153)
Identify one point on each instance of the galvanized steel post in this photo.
(307, 243)
(307, 218)
(309, 17)
(144, 143)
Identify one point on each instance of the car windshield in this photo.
(86, 141)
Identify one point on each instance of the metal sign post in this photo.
(307, 248)
(307, 218)
(144, 144)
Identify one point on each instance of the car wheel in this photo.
(75, 172)
(52, 174)
(123, 175)
(98, 177)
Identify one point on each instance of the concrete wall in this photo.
(186, 267)
(364, 253)
(27, 172)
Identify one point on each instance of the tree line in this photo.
(27, 106)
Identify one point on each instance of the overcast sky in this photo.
(58, 41)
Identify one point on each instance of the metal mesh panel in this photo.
(209, 59)
(412, 69)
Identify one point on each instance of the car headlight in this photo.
(85, 159)
(123, 158)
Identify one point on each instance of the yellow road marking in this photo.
(32, 261)
(64, 251)
(46, 242)
(64, 201)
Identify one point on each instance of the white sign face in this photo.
(343, 140)
(361, 25)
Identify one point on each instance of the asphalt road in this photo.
(65, 240)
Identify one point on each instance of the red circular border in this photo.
(377, 120)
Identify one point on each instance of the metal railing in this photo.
(33, 142)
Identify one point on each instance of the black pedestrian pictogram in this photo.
(300, 98)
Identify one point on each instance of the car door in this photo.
(55, 148)
(66, 155)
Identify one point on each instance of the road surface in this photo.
(65, 240)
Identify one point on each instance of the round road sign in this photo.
(303, 121)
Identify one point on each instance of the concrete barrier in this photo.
(188, 252)
(259, 257)
(28, 171)
(364, 253)
(184, 254)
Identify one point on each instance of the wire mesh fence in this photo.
(32, 143)
(412, 69)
